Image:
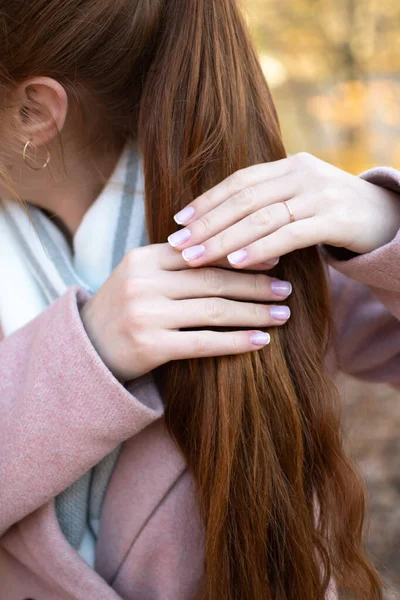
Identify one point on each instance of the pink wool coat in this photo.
(62, 411)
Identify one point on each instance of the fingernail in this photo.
(260, 339)
(193, 252)
(184, 215)
(280, 313)
(281, 288)
(237, 257)
(272, 262)
(179, 237)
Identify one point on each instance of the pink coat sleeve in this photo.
(366, 303)
(62, 410)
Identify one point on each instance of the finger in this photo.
(219, 312)
(250, 200)
(264, 266)
(250, 229)
(247, 231)
(300, 234)
(201, 344)
(223, 283)
(169, 259)
(232, 185)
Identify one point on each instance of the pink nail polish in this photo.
(193, 252)
(183, 217)
(280, 313)
(179, 237)
(281, 288)
(260, 339)
(237, 257)
(272, 262)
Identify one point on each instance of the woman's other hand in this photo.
(135, 318)
(245, 219)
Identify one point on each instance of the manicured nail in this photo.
(183, 217)
(193, 252)
(281, 288)
(237, 257)
(280, 313)
(260, 339)
(272, 262)
(179, 237)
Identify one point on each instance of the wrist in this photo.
(85, 312)
(382, 223)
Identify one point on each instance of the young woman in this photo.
(157, 443)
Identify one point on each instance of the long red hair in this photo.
(282, 505)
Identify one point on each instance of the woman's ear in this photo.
(42, 109)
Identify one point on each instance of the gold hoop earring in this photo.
(25, 157)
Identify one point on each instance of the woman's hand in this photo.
(245, 219)
(134, 319)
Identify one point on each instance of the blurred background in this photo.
(334, 71)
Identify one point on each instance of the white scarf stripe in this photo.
(56, 255)
(33, 262)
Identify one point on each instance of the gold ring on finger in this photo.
(292, 219)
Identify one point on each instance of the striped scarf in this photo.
(39, 266)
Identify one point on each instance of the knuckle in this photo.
(244, 199)
(214, 309)
(136, 258)
(206, 202)
(237, 180)
(200, 345)
(261, 217)
(306, 163)
(260, 285)
(235, 344)
(203, 226)
(138, 316)
(141, 342)
(149, 352)
(136, 287)
(220, 242)
(130, 259)
(261, 313)
(302, 158)
(128, 290)
(213, 280)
